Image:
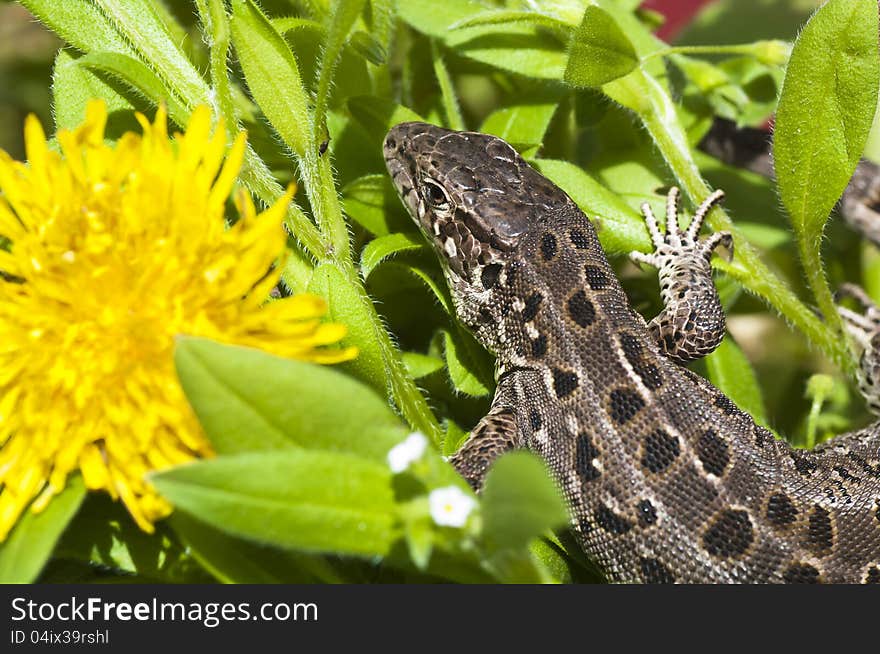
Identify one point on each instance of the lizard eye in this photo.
(435, 195)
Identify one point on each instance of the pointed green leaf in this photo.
(368, 47)
(447, 90)
(382, 21)
(290, 23)
(141, 23)
(437, 290)
(378, 115)
(372, 203)
(72, 88)
(385, 247)
(250, 400)
(600, 52)
(421, 365)
(828, 100)
(470, 366)
(272, 75)
(139, 77)
(300, 499)
(343, 15)
(505, 16)
(30, 544)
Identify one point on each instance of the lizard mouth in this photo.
(403, 169)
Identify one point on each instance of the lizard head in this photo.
(473, 197)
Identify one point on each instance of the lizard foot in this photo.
(692, 322)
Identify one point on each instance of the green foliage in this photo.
(301, 489)
(301, 499)
(29, 546)
(599, 52)
(820, 136)
(241, 412)
(519, 501)
(730, 370)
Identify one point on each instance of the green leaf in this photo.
(423, 15)
(470, 366)
(234, 560)
(382, 21)
(828, 100)
(139, 77)
(272, 75)
(81, 23)
(421, 365)
(72, 88)
(372, 202)
(620, 228)
(345, 305)
(290, 23)
(600, 52)
(378, 362)
(368, 47)
(249, 400)
(30, 544)
(104, 536)
(553, 559)
(521, 125)
(765, 237)
(385, 247)
(419, 536)
(520, 501)
(505, 16)
(301, 499)
(455, 438)
(141, 25)
(731, 372)
(378, 115)
(515, 47)
(437, 290)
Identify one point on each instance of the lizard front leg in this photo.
(691, 324)
(495, 434)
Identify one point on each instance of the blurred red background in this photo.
(677, 13)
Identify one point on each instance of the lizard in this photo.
(667, 480)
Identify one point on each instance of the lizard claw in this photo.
(692, 322)
(677, 244)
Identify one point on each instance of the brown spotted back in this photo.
(667, 480)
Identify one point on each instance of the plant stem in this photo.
(401, 387)
(642, 93)
(743, 49)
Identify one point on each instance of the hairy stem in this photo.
(642, 93)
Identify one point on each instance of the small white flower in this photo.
(450, 506)
(407, 451)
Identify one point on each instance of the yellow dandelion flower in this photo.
(111, 251)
